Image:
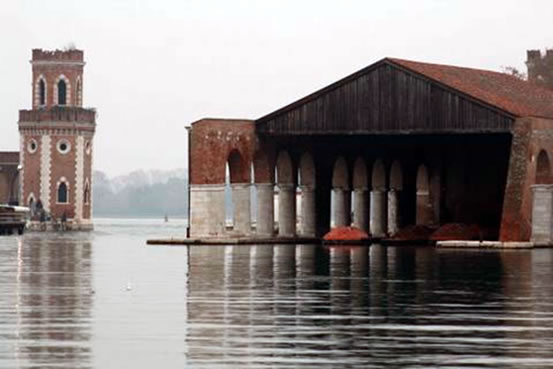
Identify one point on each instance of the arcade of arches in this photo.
(302, 186)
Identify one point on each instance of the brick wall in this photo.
(211, 143)
(53, 65)
(31, 168)
(63, 166)
(530, 136)
(540, 67)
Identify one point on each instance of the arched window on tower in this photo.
(86, 193)
(79, 95)
(62, 92)
(41, 92)
(62, 193)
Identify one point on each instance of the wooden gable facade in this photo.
(386, 98)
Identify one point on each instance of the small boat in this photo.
(13, 219)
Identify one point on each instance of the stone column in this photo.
(308, 219)
(393, 212)
(378, 213)
(341, 207)
(361, 209)
(286, 210)
(347, 198)
(265, 222)
(542, 214)
(207, 210)
(242, 208)
(424, 208)
(435, 190)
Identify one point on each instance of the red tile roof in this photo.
(508, 93)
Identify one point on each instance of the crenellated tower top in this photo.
(540, 67)
(57, 78)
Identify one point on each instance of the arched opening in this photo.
(360, 196)
(378, 202)
(378, 176)
(237, 167)
(306, 180)
(424, 204)
(41, 92)
(543, 168)
(286, 195)
(79, 95)
(63, 196)
(31, 203)
(86, 193)
(62, 92)
(341, 196)
(237, 194)
(264, 189)
(394, 196)
(396, 176)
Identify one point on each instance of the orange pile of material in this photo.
(413, 233)
(456, 231)
(346, 234)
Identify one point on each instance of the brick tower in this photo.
(56, 140)
(540, 67)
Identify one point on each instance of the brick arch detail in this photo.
(67, 90)
(307, 170)
(396, 176)
(378, 175)
(284, 168)
(41, 77)
(360, 179)
(263, 167)
(212, 141)
(543, 168)
(239, 167)
(78, 91)
(67, 186)
(340, 174)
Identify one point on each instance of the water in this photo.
(106, 300)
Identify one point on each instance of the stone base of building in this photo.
(70, 226)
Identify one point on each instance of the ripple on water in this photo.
(65, 302)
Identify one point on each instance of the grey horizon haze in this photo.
(154, 66)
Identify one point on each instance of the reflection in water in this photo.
(305, 305)
(64, 303)
(47, 304)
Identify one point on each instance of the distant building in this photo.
(540, 67)
(9, 177)
(56, 139)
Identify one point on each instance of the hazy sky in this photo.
(154, 66)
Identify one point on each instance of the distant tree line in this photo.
(140, 200)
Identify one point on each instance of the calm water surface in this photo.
(106, 300)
